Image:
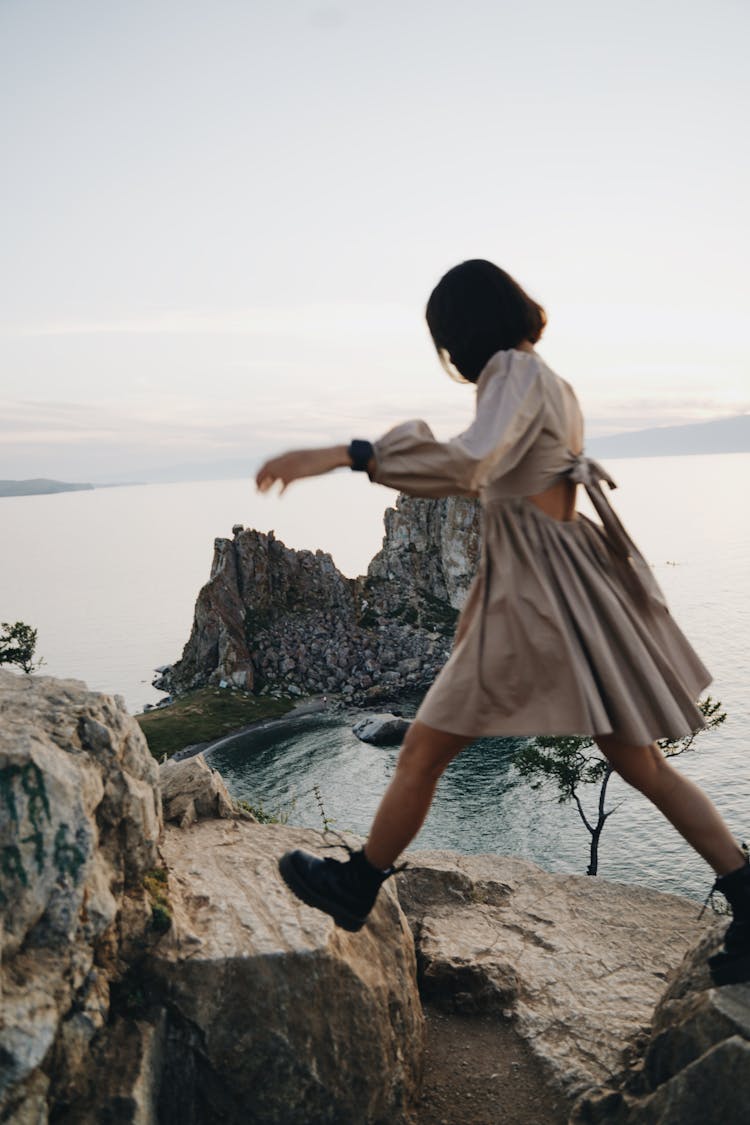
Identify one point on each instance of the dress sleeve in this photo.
(508, 420)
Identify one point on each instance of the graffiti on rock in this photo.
(24, 803)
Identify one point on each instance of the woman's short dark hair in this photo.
(477, 309)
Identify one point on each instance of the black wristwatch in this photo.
(361, 453)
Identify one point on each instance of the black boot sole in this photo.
(351, 922)
(730, 968)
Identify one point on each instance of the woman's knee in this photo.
(426, 752)
(643, 767)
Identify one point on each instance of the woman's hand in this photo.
(301, 463)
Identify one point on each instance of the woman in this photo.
(565, 630)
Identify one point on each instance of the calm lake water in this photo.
(109, 578)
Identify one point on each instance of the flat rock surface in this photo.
(574, 964)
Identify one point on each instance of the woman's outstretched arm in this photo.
(301, 463)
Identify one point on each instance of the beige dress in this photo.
(565, 629)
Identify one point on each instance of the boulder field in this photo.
(155, 968)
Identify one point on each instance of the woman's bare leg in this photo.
(685, 805)
(424, 755)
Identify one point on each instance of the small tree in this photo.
(572, 761)
(17, 645)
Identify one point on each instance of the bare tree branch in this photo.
(573, 761)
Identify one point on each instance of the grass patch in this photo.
(202, 716)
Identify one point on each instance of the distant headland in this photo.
(40, 486)
(723, 435)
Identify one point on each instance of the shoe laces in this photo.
(709, 899)
(342, 843)
(715, 887)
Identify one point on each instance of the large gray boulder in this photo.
(275, 1014)
(79, 821)
(191, 790)
(164, 976)
(575, 964)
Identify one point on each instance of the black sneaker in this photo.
(347, 891)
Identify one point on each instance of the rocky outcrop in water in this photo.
(271, 618)
(431, 547)
(381, 730)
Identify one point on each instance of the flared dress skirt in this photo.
(565, 629)
(561, 635)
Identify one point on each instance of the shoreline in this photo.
(314, 706)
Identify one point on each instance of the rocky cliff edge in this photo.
(156, 969)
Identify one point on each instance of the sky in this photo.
(221, 221)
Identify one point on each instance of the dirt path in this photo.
(478, 1072)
